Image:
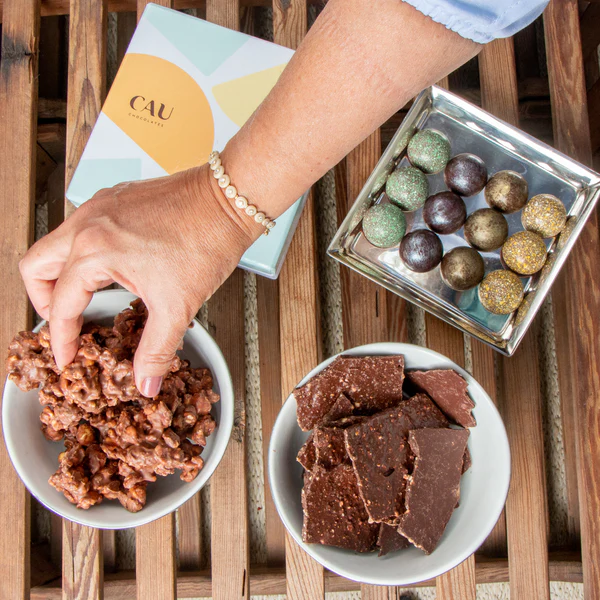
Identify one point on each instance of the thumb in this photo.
(160, 340)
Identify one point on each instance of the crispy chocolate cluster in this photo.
(116, 440)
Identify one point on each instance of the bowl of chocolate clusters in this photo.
(88, 445)
(389, 464)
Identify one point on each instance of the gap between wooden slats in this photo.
(229, 498)
(458, 583)
(521, 406)
(572, 136)
(83, 546)
(364, 303)
(299, 313)
(18, 98)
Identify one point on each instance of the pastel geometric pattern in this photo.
(96, 174)
(207, 51)
(239, 98)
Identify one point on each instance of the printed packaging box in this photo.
(184, 88)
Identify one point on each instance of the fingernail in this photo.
(151, 386)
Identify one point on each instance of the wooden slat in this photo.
(298, 318)
(572, 136)
(230, 556)
(61, 7)
(364, 304)
(594, 112)
(82, 546)
(526, 507)
(18, 95)
(270, 392)
(564, 567)
(299, 312)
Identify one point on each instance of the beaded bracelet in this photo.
(230, 191)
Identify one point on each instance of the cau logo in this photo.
(139, 104)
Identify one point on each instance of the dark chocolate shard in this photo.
(307, 454)
(390, 540)
(423, 412)
(379, 450)
(433, 489)
(334, 513)
(330, 447)
(342, 408)
(372, 383)
(449, 391)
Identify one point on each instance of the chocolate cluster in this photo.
(116, 440)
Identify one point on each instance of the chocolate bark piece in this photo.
(330, 447)
(379, 452)
(372, 383)
(449, 391)
(433, 489)
(423, 412)
(307, 454)
(334, 513)
(467, 461)
(342, 408)
(390, 540)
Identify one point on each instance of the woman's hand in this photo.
(171, 241)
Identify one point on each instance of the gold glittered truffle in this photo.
(501, 292)
(545, 215)
(524, 253)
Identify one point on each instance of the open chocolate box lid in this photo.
(501, 146)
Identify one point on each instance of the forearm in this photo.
(359, 64)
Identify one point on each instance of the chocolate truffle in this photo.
(524, 253)
(421, 250)
(407, 188)
(506, 191)
(545, 215)
(501, 292)
(462, 268)
(444, 212)
(466, 174)
(384, 225)
(486, 229)
(429, 150)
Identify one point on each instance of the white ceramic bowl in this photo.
(35, 458)
(483, 487)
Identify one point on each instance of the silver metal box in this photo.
(501, 146)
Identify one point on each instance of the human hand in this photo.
(171, 241)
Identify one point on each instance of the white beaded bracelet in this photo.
(230, 191)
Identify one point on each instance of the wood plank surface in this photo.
(270, 392)
(18, 97)
(229, 497)
(572, 136)
(526, 507)
(364, 303)
(299, 313)
(83, 546)
(299, 330)
(564, 567)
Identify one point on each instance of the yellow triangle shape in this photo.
(239, 98)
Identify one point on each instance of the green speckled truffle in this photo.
(384, 225)
(429, 150)
(407, 188)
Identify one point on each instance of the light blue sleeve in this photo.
(482, 20)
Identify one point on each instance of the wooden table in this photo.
(517, 550)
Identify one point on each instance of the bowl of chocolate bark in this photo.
(389, 464)
(88, 445)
